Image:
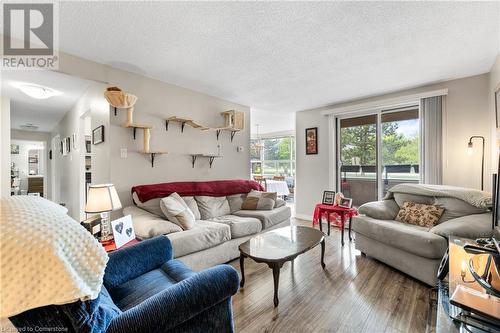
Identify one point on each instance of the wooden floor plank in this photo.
(353, 294)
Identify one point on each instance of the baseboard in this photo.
(303, 217)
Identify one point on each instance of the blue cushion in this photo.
(92, 316)
(133, 261)
(133, 292)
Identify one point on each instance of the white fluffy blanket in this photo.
(480, 199)
(46, 257)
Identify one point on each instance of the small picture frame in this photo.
(345, 203)
(328, 197)
(497, 107)
(73, 138)
(312, 141)
(64, 147)
(68, 145)
(123, 230)
(14, 149)
(98, 135)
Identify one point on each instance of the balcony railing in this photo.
(359, 182)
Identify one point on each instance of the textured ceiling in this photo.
(287, 56)
(44, 113)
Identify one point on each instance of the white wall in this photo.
(468, 112)
(494, 85)
(4, 147)
(156, 101)
(272, 122)
(70, 170)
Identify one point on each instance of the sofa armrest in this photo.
(179, 303)
(380, 210)
(130, 262)
(470, 226)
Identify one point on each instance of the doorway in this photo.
(376, 151)
(28, 168)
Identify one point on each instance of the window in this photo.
(273, 156)
(378, 151)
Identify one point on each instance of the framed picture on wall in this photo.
(64, 149)
(98, 135)
(68, 144)
(497, 106)
(312, 141)
(14, 149)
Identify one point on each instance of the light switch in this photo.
(123, 152)
(239, 149)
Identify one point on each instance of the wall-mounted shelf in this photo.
(136, 126)
(183, 121)
(153, 155)
(211, 158)
(233, 123)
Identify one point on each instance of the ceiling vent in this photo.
(29, 127)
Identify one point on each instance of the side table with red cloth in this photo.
(336, 214)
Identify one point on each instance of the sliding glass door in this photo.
(358, 159)
(376, 152)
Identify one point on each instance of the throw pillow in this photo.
(176, 210)
(420, 214)
(257, 200)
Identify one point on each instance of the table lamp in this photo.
(103, 199)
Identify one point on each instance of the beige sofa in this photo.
(221, 226)
(415, 250)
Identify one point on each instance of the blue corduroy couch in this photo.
(145, 290)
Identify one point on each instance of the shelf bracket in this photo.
(211, 160)
(153, 159)
(217, 132)
(115, 110)
(135, 130)
(232, 135)
(193, 159)
(166, 125)
(182, 126)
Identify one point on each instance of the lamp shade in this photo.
(102, 198)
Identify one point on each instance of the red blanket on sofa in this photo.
(216, 188)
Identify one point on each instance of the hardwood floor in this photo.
(353, 294)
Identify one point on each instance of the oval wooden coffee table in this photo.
(275, 247)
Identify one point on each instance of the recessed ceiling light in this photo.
(36, 91)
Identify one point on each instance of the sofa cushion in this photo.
(240, 226)
(211, 207)
(470, 226)
(257, 200)
(268, 218)
(381, 210)
(193, 205)
(279, 203)
(407, 237)
(401, 198)
(235, 201)
(176, 210)
(135, 291)
(147, 225)
(454, 208)
(419, 214)
(152, 206)
(204, 235)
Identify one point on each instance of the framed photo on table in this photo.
(345, 202)
(123, 230)
(312, 141)
(328, 198)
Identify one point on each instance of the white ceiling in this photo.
(287, 56)
(44, 113)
